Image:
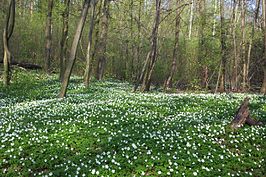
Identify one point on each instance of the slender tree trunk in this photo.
(103, 41)
(223, 48)
(251, 41)
(243, 44)
(201, 49)
(88, 56)
(169, 80)
(137, 55)
(73, 51)
(32, 3)
(235, 84)
(153, 53)
(214, 20)
(48, 36)
(8, 31)
(263, 87)
(191, 19)
(64, 38)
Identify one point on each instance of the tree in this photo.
(63, 42)
(102, 55)
(252, 35)
(223, 49)
(88, 69)
(73, 51)
(169, 80)
(235, 69)
(48, 36)
(8, 31)
(263, 87)
(191, 19)
(148, 67)
(203, 69)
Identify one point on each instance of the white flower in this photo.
(93, 171)
(134, 146)
(159, 172)
(195, 173)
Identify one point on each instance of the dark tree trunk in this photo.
(235, 72)
(48, 36)
(243, 44)
(223, 49)
(152, 56)
(169, 80)
(8, 31)
(102, 57)
(243, 116)
(88, 57)
(63, 42)
(201, 48)
(24, 65)
(252, 35)
(263, 87)
(73, 51)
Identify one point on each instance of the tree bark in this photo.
(88, 56)
(251, 41)
(243, 116)
(235, 84)
(191, 19)
(103, 41)
(201, 48)
(214, 20)
(169, 80)
(8, 31)
(223, 48)
(243, 44)
(151, 59)
(263, 87)
(48, 36)
(64, 39)
(73, 51)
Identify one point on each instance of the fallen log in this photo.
(243, 116)
(25, 65)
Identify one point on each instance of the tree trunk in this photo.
(153, 53)
(64, 38)
(8, 31)
(48, 36)
(223, 49)
(88, 56)
(251, 41)
(73, 51)
(103, 41)
(263, 87)
(201, 48)
(214, 20)
(243, 116)
(235, 84)
(243, 44)
(191, 19)
(169, 80)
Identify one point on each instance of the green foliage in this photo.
(108, 130)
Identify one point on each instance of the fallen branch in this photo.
(25, 65)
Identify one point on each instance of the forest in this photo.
(132, 87)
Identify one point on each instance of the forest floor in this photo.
(107, 130)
